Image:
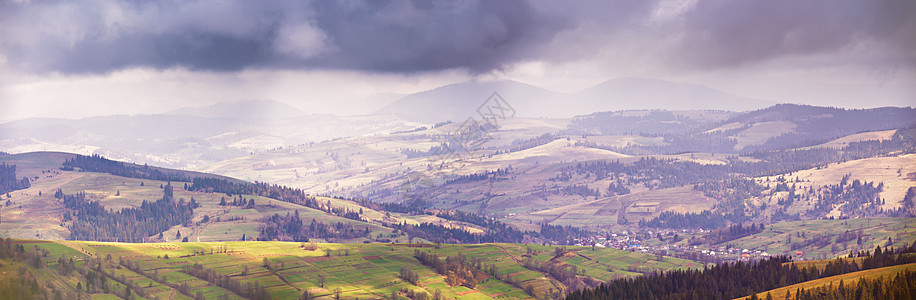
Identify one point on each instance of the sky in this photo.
(79, 58)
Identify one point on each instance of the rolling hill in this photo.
(283, 270)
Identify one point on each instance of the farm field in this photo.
(282, 270)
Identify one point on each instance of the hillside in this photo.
(849, 279)
(286, 270)
(528, 171)
(37, 212)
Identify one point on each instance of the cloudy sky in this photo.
(78, 58)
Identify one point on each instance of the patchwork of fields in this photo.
(221, 270)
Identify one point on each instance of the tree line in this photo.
(738, 279)
(97, 163)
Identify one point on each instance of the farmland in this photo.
(324, 270)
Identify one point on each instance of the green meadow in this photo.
(286, 270)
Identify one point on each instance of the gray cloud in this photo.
(426, 35)
(728, 33)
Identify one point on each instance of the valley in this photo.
(526, 198)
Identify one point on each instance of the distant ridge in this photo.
(460, 100)
(248, 109)
(644, 93)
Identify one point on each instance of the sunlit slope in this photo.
(286, 270)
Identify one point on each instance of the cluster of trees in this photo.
(292, 228)
(409, 276)
(91, 221)
(458, 269)
(704, 220)
(8, 180)
(97, 163)
(739, 279)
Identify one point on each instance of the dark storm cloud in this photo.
(409, 36)
(727, 33)
(386, 36)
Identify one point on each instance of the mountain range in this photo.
(460, 100)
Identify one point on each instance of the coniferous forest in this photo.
(91, 221)
(8, 180)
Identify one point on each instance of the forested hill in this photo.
(814, 124)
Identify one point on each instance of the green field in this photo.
(164, 270)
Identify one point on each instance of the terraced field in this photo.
(220, 270)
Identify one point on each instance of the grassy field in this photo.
(285, 270)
